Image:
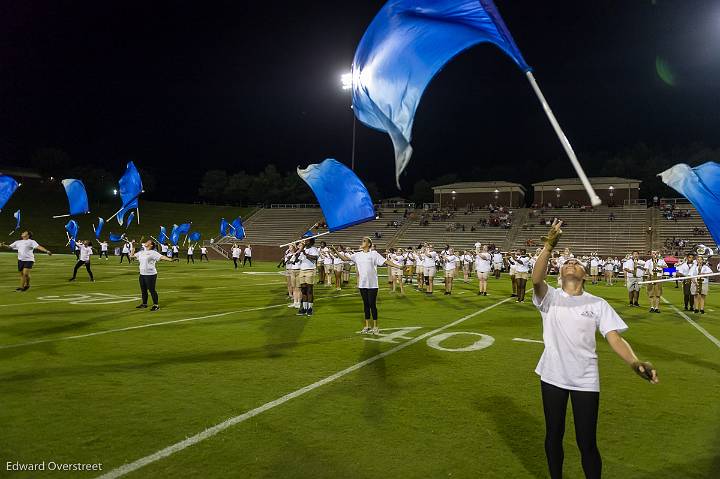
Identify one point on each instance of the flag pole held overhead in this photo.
(594, 198)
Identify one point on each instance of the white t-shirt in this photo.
(85, 252)
(594, 262)
(497, 258)
(25, 249)
(450, 262)
(146, 260)
(569, 360)
(163, 248)
(695, 270)
(175, 249)
(236, 252)
(103, 246)
(191, 250)
(367, 264)
(248, 252)
(429, 259)
(482, 262)
(632, 265)
(203, 250)
(522, 264)
(306, 263)
(660, 263)
(126, 248)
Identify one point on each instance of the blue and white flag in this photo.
(8, 185)
(99, 227)
(77, 197)
(130, 219)
(177, 231)
(405, 46)
(700, 185)
(344, 199)
(238, 228)
(131, 187)
(72, 228)
(115, 238)
(16, 215)
(194, 236)
(163, 237)
(224, 225)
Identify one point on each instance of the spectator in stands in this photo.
(611, 217)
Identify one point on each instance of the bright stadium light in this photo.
(346, 80)
(114, 192)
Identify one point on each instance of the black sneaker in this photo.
(480, 293)
(657, 310)
(652, 310)
(637, 304)
(301, 312)
(20, 289)
(309, 312)
(702, 311)
(155, 307)
(141, 306)
(71, 279)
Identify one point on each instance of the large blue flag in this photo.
(115, 237)
(344, 199)
(224, 225)
(72, 229)
(700, 185)
(16, 215)
(163, 237)
(405, 46)
(77, 197)
(99, 227)
(194, 236)
(177, 231)
(8, 185)
(130, 186)
(238, 228)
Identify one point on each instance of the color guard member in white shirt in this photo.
(83, 260)
(203, 254)
(147, 258)
(568, 367)
(25, 248)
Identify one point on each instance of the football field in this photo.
(226, 381)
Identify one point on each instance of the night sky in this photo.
(182, 87)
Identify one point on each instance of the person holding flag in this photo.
(175, 253)
(25, 248)
(203, 254)
(147, 258)
(247, 256)
(85, 249)
(236, 251)
(125, 253)
(103, 249)
(568, 367)
(190, 253)
(367, 260)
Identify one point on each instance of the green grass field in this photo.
(87, 378)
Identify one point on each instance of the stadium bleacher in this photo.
(446, 231)
(669, 230)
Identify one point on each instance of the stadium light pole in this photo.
(557, 194)
(346, 81)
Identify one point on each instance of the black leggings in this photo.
(124, 255)
(369, 297)
(585, 413)
(247, 259)
(190, 258)
(687, 296)
(87, 267)
(147, 283)
(235, 260)
(103, 253)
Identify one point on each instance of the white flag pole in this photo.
(680, 278)
(594, 198)
(303, 239)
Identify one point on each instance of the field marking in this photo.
(150, 325)
(712, 338)
(212, 431)
(523, 340)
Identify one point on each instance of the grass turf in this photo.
(119, 396)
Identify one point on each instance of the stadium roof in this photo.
(479, 184)
(600, 180)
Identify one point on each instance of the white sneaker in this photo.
(375, 331)
(291, 305)
(297, 305)
(364, 331)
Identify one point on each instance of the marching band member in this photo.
(594, 267)
(634, 271)
(497, 262)
(327, 264)
(308, 255)
(700, 286)
(337, 269)
(429, 266)
(608, 269)
(294, 261)
(420, 266)
(522, 270)
(512, 271)
(483, 261)
(288, 273)
(409, 265)
(396, 256)
(467, 260)
(682, 270)
(450, 262)
(654, 268)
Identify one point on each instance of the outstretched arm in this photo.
(44, 250)
(541, 265)
(623, 349)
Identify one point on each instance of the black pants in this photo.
(103, 253)
(147, 283)
(190, 258)
(247, 259)
(235, 261)
(124, 255)
(87, 267)
(585, 413)
(687, 297)
(369, 297)
(204, 256)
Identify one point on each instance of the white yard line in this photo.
(150, 325)
(523, 340)
(712, 338)
(212, 431)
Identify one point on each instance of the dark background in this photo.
(185, 87)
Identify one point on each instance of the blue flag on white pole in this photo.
(163, 237)
(16, 215)
(344, 199)
(405, 46)
(238, 228)
(130, 186)
(99, 227)
(77, 197)
(72, 229)
(115, 237)
(8, 185)
(178, 231)
(224, 225)
(700, 185)
(194, 236)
